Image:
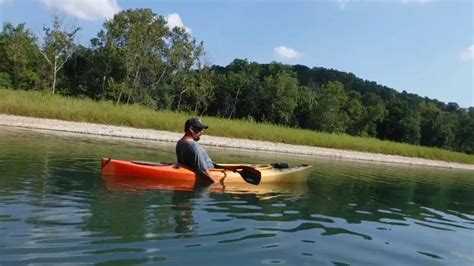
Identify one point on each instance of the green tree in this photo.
(237, 89)
(305, 104)
(80, 77)
(376, 112)
(279, 99)
(58, 47)
(357, 115)
(184, 54)
(134, 43)
(436, 126)
(19, 58)
(107, 70)
(205, 90)
(401, 124)
(200, 91)
(464, 136)
(228, 93)
(329, 115)
(156, 63)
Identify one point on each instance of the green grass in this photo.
(45, 105)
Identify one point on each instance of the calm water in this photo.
(54, 208)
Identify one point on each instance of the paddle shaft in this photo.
(248, 173)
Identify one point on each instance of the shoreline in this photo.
(157, 135)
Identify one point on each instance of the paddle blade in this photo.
(250, 175)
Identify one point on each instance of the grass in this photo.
(46, 105)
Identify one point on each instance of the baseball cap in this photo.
(194, 122)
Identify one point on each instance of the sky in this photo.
(419, 46)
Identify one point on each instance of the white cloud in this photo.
(286, 53)
(174, 20)
(86, 9)
(468, 54)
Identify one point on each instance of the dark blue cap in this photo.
(194, 122)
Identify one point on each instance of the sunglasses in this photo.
(197, 129)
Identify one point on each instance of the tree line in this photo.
(136, 58)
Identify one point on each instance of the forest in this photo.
(137, 59)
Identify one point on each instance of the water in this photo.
(54, 208)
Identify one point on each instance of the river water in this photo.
(55, 208)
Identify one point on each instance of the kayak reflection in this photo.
(120, 182)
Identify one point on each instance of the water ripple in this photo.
(54, 209)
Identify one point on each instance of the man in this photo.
(190, 153)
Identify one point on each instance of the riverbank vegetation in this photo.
(142, 66)
(46, 105)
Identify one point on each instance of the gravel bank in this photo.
(147, 134)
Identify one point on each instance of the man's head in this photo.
(194, 128)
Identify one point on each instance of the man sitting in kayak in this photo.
(190, 153)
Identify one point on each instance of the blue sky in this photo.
(420, 46)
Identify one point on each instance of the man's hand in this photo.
(212, 178)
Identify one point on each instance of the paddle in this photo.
(248, 173)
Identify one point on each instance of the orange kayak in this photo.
(176, 174)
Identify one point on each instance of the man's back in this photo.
(190, 153)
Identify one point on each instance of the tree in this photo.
(19, 58)
(401, 124)
(237, 87)
(357, 115)
(107, 70)
(80, 74)
(452, 107)
(228, 92)
(305, 104)
(133, 42)
(58, 47)
(436, 126)
(156, 63)
(464, 136)
(328, 115)
(279, 97)
(200, 90)
(376, 112)
(183, 54)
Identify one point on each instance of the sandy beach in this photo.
(156, 135)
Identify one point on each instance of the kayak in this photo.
(173, 174)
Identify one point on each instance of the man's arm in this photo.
(201, 165)
(207, 174)
(212, 178)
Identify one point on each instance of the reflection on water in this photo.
(54, 208)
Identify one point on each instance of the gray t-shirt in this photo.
(190, 153)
